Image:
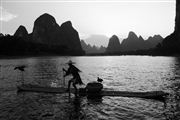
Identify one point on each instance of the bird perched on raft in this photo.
(21, 68)
(99, 80)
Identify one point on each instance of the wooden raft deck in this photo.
(148, 95)
(36, 88)
(160, 95)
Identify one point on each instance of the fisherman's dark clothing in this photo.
(75, 73)
(76, 77)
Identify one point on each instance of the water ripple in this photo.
(129, 73)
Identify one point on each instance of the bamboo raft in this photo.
(45, 89)
(158, 95)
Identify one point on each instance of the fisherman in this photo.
(74, 71)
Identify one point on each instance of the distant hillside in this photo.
(113, 45)
(92, 49)
(133, 42)
(98, 40)
(47, 31)
(22, 32)
(51, 38)
(154, 41)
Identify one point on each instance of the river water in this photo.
(124, 73)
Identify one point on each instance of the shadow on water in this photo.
(76, 111)
(95, 101)
(172, 106)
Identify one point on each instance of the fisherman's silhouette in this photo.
(74, 71)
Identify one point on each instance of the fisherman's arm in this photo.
(67, 72)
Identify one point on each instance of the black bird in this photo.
(21, 68)
(99, 79)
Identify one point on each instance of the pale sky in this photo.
(106, 17)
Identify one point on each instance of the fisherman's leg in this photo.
(69, 84)
(74, 85)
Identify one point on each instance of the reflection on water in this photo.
(43, 71)
(173, 101)
(130, 73)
